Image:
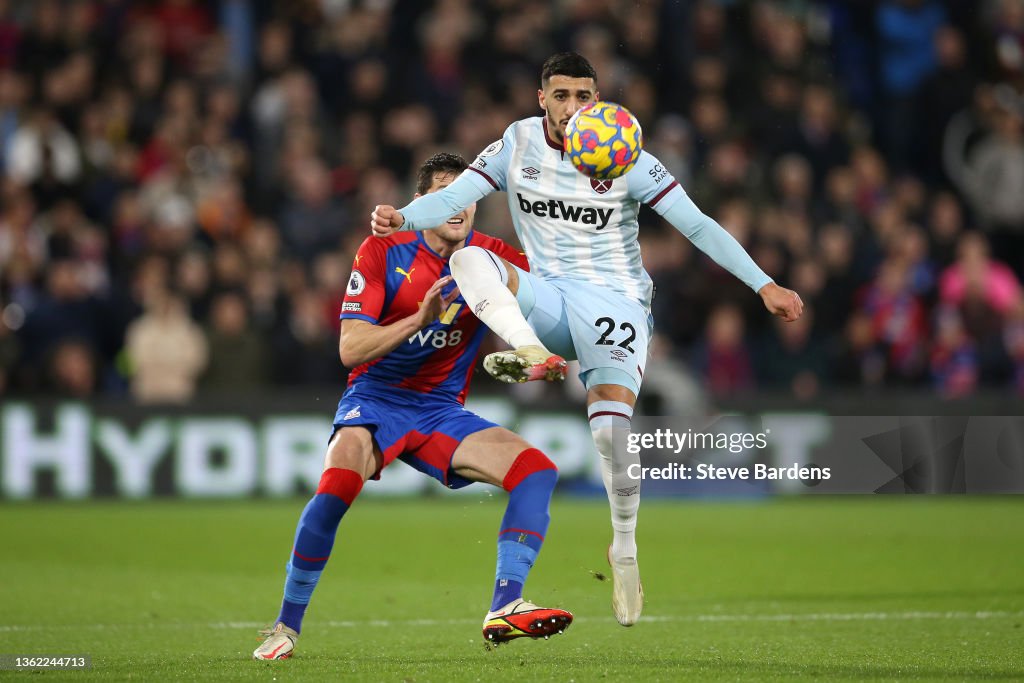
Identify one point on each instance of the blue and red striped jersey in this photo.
(390, 278)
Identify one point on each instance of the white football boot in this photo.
(279, 644)
(525, 364)
(627, 591)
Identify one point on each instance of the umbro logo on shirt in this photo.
(531, 173)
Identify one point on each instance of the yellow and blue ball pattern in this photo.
(603, 141)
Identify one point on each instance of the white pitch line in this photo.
(389, 623)
(839, 616)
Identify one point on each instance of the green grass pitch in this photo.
(836, 588)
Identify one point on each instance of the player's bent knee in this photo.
(352, 448)
(475, 263)
(466, 258)
(526, 463)
(612, 384)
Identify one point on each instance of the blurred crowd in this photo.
(184, 182)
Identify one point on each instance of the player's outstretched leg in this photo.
(525, 364)
(530, 482)
(609, 425)
(482, 278)
(314, 538)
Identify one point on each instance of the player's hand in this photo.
(782, 302)
(385, 220)
(434, 303)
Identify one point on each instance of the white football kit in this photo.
(587, 296)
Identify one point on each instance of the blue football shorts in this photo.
(419, 429)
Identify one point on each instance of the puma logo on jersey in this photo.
(556, 208)
(408, 276)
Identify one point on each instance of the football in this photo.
(603, 141)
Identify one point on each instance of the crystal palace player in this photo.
(588, 295)
(412, 343)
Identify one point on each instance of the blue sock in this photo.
(530, 482)
(505, 591)
(314, 539)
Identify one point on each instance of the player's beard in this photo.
(555, 129)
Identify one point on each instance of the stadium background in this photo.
(183, 186)
(184, 182)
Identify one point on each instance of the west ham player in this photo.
(588, 296)
(412, 343)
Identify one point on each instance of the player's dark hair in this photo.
(571, 64)
(443, 162)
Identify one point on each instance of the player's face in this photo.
(459, 225)
(562, 97)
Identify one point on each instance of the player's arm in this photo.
(362, 341)
(362, 337)
(659, 189)
(485, 175)
(430, 210)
